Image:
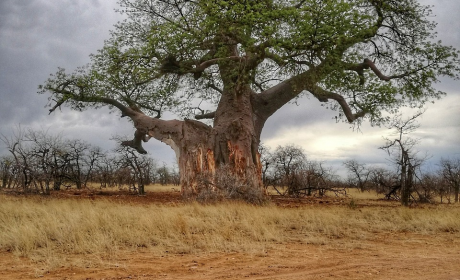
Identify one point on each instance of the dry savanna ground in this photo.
(94, 234)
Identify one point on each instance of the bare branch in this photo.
(214, 87)
(205, 116)
(300, 4)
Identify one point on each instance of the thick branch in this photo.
(272, 99)
(205, 116)
(146, 127)
(324, 95)
(136, 143)
(126, 111)
(368, 64)
(214, 87)
(359, 69)
(57, 105)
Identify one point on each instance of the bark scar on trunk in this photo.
(236, 157)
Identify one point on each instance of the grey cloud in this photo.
(36, 37)
(307, 110)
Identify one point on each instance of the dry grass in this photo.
(50, 229)
(359, 195)
(162, 188)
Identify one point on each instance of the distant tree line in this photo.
(39, 162)
(288, 171)
(444, 183)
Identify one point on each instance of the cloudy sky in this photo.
(38, 36)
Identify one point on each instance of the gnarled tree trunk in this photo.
(201, 150)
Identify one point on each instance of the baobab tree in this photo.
(238, 62)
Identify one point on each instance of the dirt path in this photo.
(386, 256)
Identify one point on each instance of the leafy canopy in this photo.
(170, 55)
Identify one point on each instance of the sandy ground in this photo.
(386, 257)
(382, 256)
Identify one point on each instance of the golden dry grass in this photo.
(162, 188)
(359, 195)
(49, 229)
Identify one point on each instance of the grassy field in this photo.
(49, 229)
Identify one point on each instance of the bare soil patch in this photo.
(171, 196)
(382, 256)
(386, 257)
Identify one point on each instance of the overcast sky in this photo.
(38, 36)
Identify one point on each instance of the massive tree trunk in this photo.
(231, 144)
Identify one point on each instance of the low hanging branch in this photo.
(136, 143)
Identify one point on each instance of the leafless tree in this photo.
(77, 150)
(289, 172)
(315, 177)
(358, 174)
(450, 170)
(105, 171)
(138, 165)
(6, 171)
(39, 160)
(91, 158)
(24, 173)
(43, 147)
(386, 182)
(288, 162)
(379, 179)
(402, 152)
(429, 186)
(267, 164)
